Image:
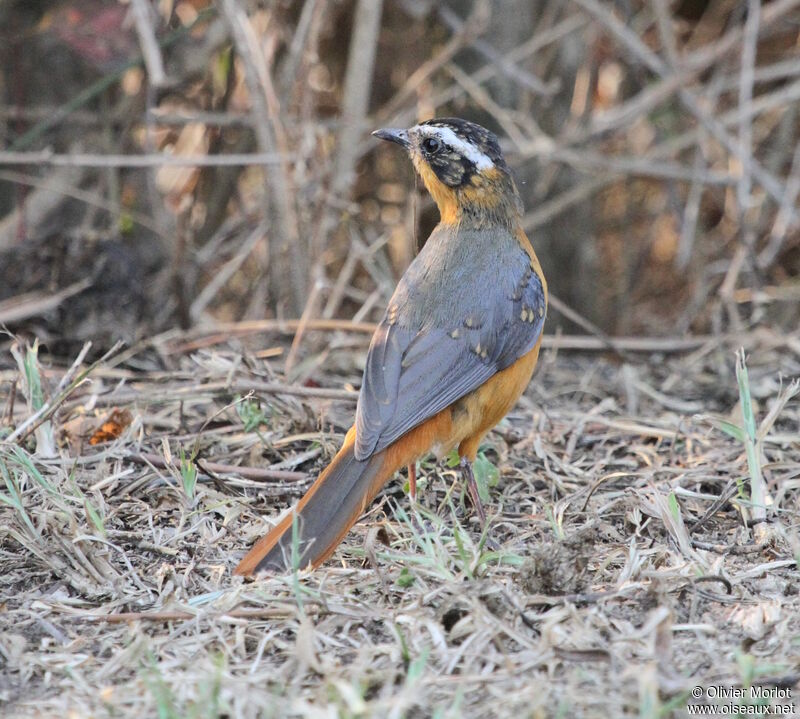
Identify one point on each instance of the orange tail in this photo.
(325, 513)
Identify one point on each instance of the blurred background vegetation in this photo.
(175, 163)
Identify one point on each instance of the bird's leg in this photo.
(412, 481)
(467, 473)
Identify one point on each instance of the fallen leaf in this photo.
(112, 427)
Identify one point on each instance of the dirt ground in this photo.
(617, 575)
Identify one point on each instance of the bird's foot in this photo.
(466, 470)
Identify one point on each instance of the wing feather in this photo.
(410, 375)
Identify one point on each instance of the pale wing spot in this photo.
(474, 321)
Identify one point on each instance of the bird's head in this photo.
(464, 170)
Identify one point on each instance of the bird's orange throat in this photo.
(489, 197)
(444, 196)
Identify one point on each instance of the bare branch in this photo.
(79, 159)
(357, 86)
(510, 69)
(746, 98)
(654, 63)
(783, 219)
(287, 259)
(151, 52)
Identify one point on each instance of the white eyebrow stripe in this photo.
(467, 149)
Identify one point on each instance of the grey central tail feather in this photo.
(335, 502)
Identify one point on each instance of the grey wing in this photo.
(410, 375)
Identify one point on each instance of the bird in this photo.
(454, 351)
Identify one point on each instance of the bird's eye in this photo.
(431, 145)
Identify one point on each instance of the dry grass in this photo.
(617, 572)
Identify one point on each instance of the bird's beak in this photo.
(398, 136)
